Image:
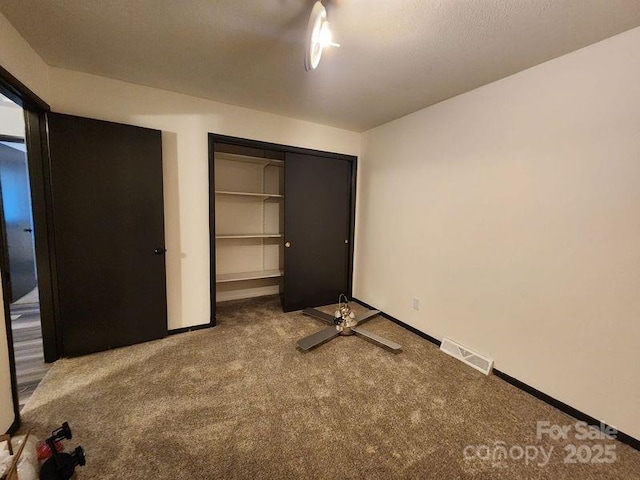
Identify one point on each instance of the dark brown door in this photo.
(106, 181)
(316, 223)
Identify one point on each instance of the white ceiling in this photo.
(396, 56)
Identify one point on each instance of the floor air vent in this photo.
(471, 358)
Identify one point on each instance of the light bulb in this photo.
(326, 37)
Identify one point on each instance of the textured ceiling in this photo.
(396, 56)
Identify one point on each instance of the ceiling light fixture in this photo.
(319, 37)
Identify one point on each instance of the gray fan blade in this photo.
(381, 341)
(318, 338)
(368, 316)
(312, 312)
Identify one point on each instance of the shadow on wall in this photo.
(174, 256)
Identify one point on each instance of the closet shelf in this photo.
(253, 235)
(265, 162)
(237, 277)
(250, 194)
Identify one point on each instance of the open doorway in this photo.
(19, 259)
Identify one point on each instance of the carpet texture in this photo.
(239, 401)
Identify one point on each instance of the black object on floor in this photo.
(60, 466)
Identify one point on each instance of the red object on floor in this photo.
(44, 451)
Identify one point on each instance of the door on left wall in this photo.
(106, 182)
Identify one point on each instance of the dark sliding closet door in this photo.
(317, 224)
(106, 181)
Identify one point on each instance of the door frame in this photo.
(243, 142)
(35, 115)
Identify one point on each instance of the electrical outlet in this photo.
(416, 303)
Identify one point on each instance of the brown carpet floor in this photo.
(239, 401)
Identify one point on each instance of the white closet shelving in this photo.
(249, 225)
(236, 277)
(249, 159)
(249, 194)
(253, 235)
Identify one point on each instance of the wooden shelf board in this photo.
(247, 159)
(249, 194)
(252, 235)
(237, 277)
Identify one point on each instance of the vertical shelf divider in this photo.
(262, 241)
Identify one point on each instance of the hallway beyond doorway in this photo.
(27, 342)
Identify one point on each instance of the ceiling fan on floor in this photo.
(345, 323)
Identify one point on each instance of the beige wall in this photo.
(17, 56)
(512, 213)
(185, 122)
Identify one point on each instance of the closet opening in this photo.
(281, 222)
(249, 222)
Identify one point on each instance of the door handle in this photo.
(159, 251)
(28, 230)
(287, 244)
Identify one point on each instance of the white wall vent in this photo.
(471, 358)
